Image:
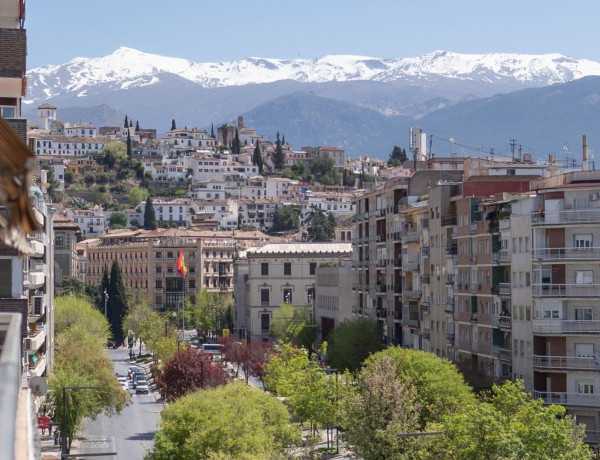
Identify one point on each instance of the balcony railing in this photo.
(473, 228)
(504, 354)
(565, 362)
(412, 294)
(566, 254)
(568, 399)
(35, 340)
(411, 237)
(451, 248)
(410, 265)
(504, 288)
(565, 326)
(450, 278)
(584, 216)
(426, 333)
(450, 338)
(502, 321)
(425, 278)
(449, 308)
(504, 256)
(495, 257)
(449, 219)
(504, 224)
(566, 290)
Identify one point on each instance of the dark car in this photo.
(138, 378)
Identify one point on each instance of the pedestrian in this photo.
(50, 427)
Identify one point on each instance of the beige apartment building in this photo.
(148, 261)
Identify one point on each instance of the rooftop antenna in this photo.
(566, 154)
(513, 143)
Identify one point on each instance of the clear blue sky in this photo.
(59, 30)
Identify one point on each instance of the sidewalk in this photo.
(49, 450)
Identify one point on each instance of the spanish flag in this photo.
(181, 268)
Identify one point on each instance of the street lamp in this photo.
(105, 304)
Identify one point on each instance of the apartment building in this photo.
(92, 222)
(65, 248)
(148, 261)
(268, 276)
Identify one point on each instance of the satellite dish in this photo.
(39, 386)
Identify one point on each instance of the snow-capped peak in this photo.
(127, 67)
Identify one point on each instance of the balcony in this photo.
(475, 288)
(425, 251)
(397, 289)
(449, 308)
(584, 216)
(565, 326)
(504, 288)
(568, 399)
(504, 224)
(427, 333)
(495, 258)
(450, 338)
(425, 279)
(543, 362)
(503, 354)
(380, 288)
(474, 317)
(414, 295)
(451, 248)
(502, 321)
(381, 238)
(411, 237)
(37, 368)
(410, 265)
(450, 278)
(473, 228)
(449, 219)
(504, 256)
(36, 279)
(35, 340)
(566, 254)
(566, 290)
(37, 247)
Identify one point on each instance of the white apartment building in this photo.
(208, 190)
(340, 205)
(84, 130)
(258, 213)
(278, 273)
(187, 139)
(93, 221)
(67, 146)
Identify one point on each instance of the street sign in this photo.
(225, 332)
(44, 423)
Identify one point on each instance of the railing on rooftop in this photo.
(582, 216)
(565, 254)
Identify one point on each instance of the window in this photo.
(583, 242)
(583, 313)
(584, 350)
(312, 268)
(287, 295)
(264, 295)
(584, 277)
(264, 322)
(287, 268)
(585, 387)
(264, 268)
(158, 284)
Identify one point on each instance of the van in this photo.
(212, 348)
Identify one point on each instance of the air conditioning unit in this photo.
(38, 305)
(594, 196)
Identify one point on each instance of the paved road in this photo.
(132, 430)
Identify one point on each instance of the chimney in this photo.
(584, 163)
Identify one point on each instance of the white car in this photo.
(125, 386)
(142, 387)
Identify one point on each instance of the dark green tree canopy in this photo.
(149, 216)
(278, 155)
(126, 123)
(320, 225)
(323, 170)
(117, 220)
(286, 218)
(257, 159)
(350, 343)
(173, 124)
(129, 148)
(117, 303)
(397, 157)
(137, 126)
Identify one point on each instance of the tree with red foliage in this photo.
(233, 351)
(188, 371)
(257, 354)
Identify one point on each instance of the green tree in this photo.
(320, 226)
(126, 123)
(286, 218)
(73, 310)
(440, 388)
(322, 168)
(149, 216)
(69, 176)
(278, 155)
(285, 369)
(210, 312)
(348, 178)
(257, 159)
(397, 157)
(237, 146)
(224, 130)
(139, 312)
(137, 126)
(382, 407)
(291, 324)
(511, 425)
(137, 195)
(350, 343)
(201, 425)
(115, 154)
(117, 303)
(70, 285)
(212, 130)
(117, 220)
(173, 125)
(128, 144)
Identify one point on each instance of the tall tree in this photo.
(173, 125)
(283, 139)
(224, 130)
(278, 155)
(324, 171)
(352, 342)
(257, 158)
(131, 123)
(137, 126)
(149, 216)
(320, 226)
(129, 149)
(397, 157)
(286, 218)
(117, 298)
(237, 146)
(126, 123)
(212, 130)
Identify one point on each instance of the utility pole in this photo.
(513, 143)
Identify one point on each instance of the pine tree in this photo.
(283, 139)
(137, 126)
(237, 148)
(278, 156)
(130, 123)
(212, 130)
(257, 158)
(126, 124)
(129, 150)
(149, 216)
(104, 285)
(117, 298)
(173, 125)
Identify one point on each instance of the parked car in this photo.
(142, 387)
(139, 378)
(132, 370)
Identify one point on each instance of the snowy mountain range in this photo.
(126, 68)
(338, 100)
